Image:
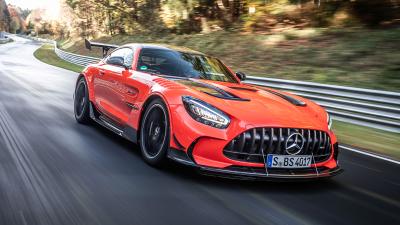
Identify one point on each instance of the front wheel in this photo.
(81, 102)
(154, 133)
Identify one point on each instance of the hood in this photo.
(211, 89)
(258, 106)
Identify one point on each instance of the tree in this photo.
(5, 19)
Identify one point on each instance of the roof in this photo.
(166, 47)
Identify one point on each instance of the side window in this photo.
(125, 54)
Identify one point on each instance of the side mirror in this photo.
(241, 76)
(117, 61)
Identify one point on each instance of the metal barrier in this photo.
(3, 38)
(67, 56)
(74, 58)
(371, 108)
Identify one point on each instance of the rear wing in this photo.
(106, 47)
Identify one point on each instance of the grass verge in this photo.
(373, 140)
(46, 54)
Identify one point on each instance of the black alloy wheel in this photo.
(81, 102)
(154, 133)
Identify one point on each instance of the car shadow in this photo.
(191, 175)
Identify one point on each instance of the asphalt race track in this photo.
(55, 171)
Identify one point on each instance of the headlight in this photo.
(329, 121)
(205, 113)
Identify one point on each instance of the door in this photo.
(109, 85)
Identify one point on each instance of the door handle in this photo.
(101, 72)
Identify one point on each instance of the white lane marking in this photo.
(370, 154)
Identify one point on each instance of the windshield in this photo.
(182, 64)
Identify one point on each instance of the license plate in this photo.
(288, 161)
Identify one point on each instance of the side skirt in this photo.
(125, 132)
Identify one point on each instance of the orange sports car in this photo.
(183, 105)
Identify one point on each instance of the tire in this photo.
(155, 133)
(81, 102)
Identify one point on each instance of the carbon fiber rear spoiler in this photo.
(106, 47)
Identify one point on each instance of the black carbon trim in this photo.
(178, 143)
(253, 174)
(229, 98)
(180, 156)
(290, 99)
(190, 150)
(213, 90)
(336, 151)
(126, 132)
(244, 89)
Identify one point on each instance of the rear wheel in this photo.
(81, 102)
(154, 133)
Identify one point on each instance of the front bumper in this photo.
(256, 173)
(283, 176)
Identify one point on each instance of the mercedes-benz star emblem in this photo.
(294, 143)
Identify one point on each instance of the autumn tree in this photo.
(4, 16)
(99, 17)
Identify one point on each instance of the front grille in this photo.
(250, 145)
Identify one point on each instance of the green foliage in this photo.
(5, 18)
(14, 26)
(72, 3)
(288, 39)
(46, 54)
(351, 57)
(99, 17)
(378, 141)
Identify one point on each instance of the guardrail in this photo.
(74, 58)
(3, 41)
(3, 38)
(67, 56)
(371, 108)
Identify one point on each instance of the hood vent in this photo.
(244, 89)
(288, 98)
(210, 90)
